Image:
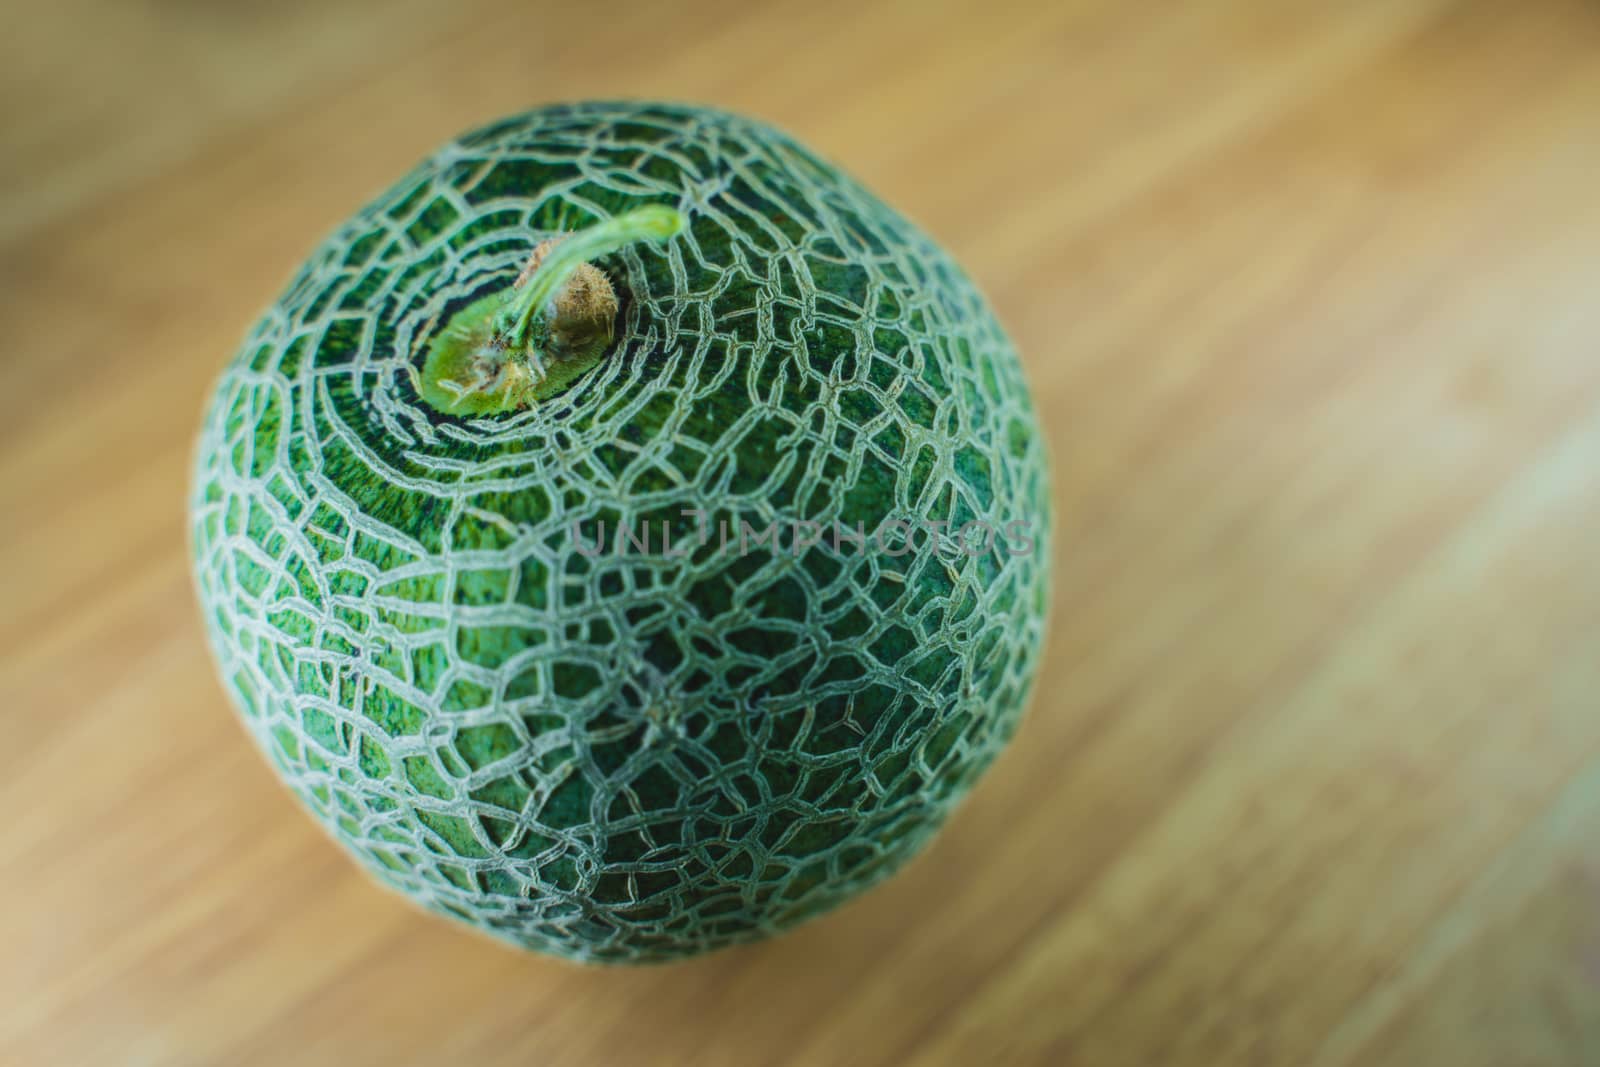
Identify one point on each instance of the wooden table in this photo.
(1310, 296)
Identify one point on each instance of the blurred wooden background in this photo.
(1310, 295)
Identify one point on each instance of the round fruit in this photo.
(627, 535)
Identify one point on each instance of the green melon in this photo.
(440, 622)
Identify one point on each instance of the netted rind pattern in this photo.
(644, 751)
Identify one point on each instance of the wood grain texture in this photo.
(1309, 293)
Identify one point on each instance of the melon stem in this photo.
(555, 321)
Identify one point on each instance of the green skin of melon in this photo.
(627, 756)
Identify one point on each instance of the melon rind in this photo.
(628, 756)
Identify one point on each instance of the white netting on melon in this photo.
(631, 755)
